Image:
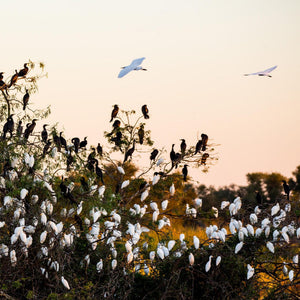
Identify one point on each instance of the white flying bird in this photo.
(135, 65)
(263, 73)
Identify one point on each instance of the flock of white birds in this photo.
(112, 231)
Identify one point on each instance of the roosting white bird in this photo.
(135, 65)
(263, 73)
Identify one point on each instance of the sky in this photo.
(196, 54)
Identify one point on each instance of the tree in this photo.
(90, 223)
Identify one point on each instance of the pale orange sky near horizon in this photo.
(196, 54)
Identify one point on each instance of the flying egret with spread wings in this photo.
(135, 65)
(263, 73)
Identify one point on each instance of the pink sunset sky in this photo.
(196, 54)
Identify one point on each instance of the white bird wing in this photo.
(132, 66)
(262, 72)
(269, 70)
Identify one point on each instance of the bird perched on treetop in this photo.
(184, 172)
(29, 129)
(153, 154)
(116, 124)
(44, 133)
(145, 111)
(114, 112)
(135, 65)
(76, 142)
(204, 141)
(99, 149)
(23, 72)
(83, 143)
(141, 134)
(8, 126)
(198, 147)
(25, 99)
(286, 189)
(183, 146)
(13, 79)
(129, 152)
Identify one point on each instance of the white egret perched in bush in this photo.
(135, 65)
(263, 73)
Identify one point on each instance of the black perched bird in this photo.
(183, 146)
(46, 147)
(79, 222)
(258, 198)
(63, 187)
(198, 147)
(177, 159)
(76, 142)
(63, 141)
(84, 184)
(286, 189)
(70, 160)
(20, 128)
(44, 133)
(129, 152)
(116, 124)
(83, 143)
(23, 72)
(173, 155)
(204, 157)
(99, 172)
(145, 111)
(114, 112)
(91, 156)
(8, 126)
(2, 85)
(99, 149)
(1, 75)
(153, 154)
(141, 134)
(118, 138)
(29, 129)
(25, 99)
(204, 141)
(184, 172)
(56, 140)
(13, 79)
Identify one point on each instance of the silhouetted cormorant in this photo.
(204, 141)
(70, 160)
(25, 99)
(99, 172)
(141, 134)
(183, 146)
(13, 79)
(76, 142)
(83, 143)
(8, 126)
(99, 149)
(91, 156)
(20, 128)
(1, 75)
(23, 72)
(286, 189)
(173, 155)
(145, 111)
(29, 129)
(153, 154)
(129, 152)
(46, 147)
(84, 184)
(184, 172)
(198, 147)
(44, 134)
(114, 112)
(63, 141)
(56, 140)
(258, 198)
(118, 138)
(116, 124)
